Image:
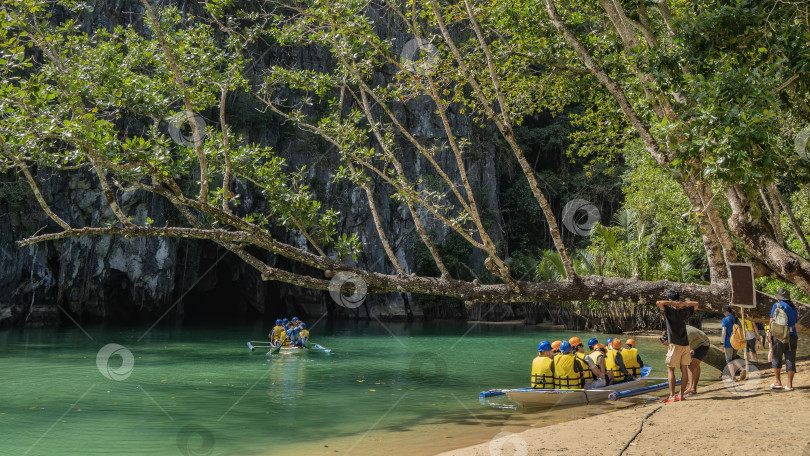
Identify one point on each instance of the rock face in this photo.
(119, 279)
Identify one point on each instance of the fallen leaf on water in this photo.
(373, 390)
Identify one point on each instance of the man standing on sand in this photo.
(676, 314)
(700, 345)
(788, 348)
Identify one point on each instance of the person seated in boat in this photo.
(293, 335)
(567, 369)
(591, 373)
(592, 344)
(285, 335)
(275, 334)
(543, 367)
(609, 344)
(615, 363)
(304, 335)
(632, 360)
(555, 347)
(598, 357)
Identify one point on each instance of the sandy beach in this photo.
(723, 419)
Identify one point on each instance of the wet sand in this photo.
(723, 419)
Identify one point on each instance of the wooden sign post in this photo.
(743, 295)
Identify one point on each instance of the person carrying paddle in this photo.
(593, 375)
(676, 314)
(784, 339)
(543, 367)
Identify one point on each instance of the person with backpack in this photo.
(729, 320)
(783, 338)
(751, 338)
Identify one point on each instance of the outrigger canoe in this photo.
(531, 397)
(314, 348)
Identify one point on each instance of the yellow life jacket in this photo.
(587, 373)
(630, 358)
(594, 355)
(542, 375)
(304, 334)
(612, 366)
(748, 325)
(277, 330)
(564, 375)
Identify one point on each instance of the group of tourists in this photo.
(565, 365)
(688, 345)
(289, 333)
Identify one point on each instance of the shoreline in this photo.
(722, 419)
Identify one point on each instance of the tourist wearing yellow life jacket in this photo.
(304, 335)
(567, 370)
(598, 355)
(632, 360)
(543, 367)
(275, 334)
(594, 376)
(285, 335)
(615, 363)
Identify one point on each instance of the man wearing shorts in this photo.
(699, 343)
(676, 314)
(781, 348)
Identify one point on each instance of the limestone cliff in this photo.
(118, 279)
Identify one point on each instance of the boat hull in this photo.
(549, 397)
(297, 350)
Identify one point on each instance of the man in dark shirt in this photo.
(676, 314)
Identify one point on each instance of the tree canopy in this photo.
(711, 95)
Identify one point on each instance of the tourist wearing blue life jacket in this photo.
(786, 348)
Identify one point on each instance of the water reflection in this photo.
(287, 379)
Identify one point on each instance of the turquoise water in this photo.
(386, 389)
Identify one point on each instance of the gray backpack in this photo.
(779, 327)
